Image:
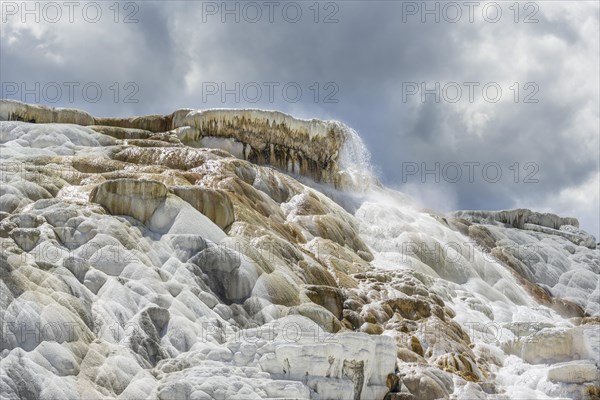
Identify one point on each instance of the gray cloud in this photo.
(368, 54)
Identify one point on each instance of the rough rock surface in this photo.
(549, 254)
(306, 148)
(162, 257)
(518, 218)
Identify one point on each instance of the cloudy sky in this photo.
(501, 98)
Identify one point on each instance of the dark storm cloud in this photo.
(368, 54)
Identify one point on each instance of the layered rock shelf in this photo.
(309, 148)
(519, 217)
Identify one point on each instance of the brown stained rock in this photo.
(593, 391)
(449, 312)
(353, 318)
(326, 296)
(406, 355)
(181, 158)
(567, 308)
(152, 123)
(459, 224)
(17, 111)
(415, 345)
(314, 274)
(429, 383)
(81, 167)
(483, 236)
(438, 312)
(353, 302)
(347, 324)
(135, 198)
(310, 148)
(369, 317)
(590, 321)
(341, 232)
(400, 324)
(380, 315)
(506, 257)
(215, 204)
(119, 132)
(332, 254)
(371, 329)
(152, 143)
(393, 382)
(410, 308)
(345, 281)
(310, 205)
(388, 310)
(460, 364)
(320, 315)
(277, 289)
(519, 270)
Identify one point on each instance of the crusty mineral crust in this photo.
(309, 148)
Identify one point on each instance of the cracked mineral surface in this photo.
(245, 254)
